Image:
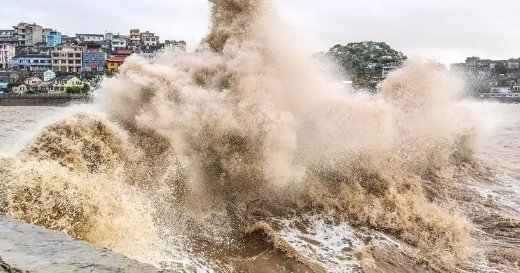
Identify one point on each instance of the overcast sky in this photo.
(444, 30)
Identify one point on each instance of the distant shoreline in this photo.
(43, 99)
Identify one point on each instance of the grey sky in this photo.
(445, 30)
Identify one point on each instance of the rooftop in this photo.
(65, 77)
(116, 59)
(96, 35)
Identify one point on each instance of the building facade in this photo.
(31, 62)
(45, 32)
(53, 38)
(118, 43)
(180, 45)
(114, 63)
(67, 58)
(148, 38)
(6, 33)
(48, 75)
(62, 83)
(90, 38)
(135, 37)
(28, 34)
(19, 89)
(7, 52)
(32, 80)
(94, 59)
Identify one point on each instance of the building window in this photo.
(78, 55)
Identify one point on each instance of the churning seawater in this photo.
(336, 246)
(245, 157)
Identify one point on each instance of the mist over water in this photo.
(199, 159)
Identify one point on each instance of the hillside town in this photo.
(34, 59)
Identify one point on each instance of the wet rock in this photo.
(5, 268)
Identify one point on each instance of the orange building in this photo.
(114, 63)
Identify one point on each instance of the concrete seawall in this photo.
(43, 99)
(34, 249)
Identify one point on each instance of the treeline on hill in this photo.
(363, 62)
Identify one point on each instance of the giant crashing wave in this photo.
(211, 149)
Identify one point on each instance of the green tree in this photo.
(74, 90)
(85, 88)
(363, 62)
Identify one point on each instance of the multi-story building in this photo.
(53, 38)
(65, 39)
(67, 58)
(28, 34)
(148, 52)
(109, 36)
(135, 37)
(117, 43)
(45, 32)
(6, 33)
(31, 62)
(148, 38)
(7, 52)
(176, 44)
(90, 38)
(94, 59)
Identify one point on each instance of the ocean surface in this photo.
(331, 245)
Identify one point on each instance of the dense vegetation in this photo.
(363, 62)
(78, 90)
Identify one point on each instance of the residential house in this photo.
(386, 70)
(48, 75)
(39, 49)
(31, 62)
(11, 41)
(147, 51)
(32, 80)
(148, 38)
(53, 38)
(7, 52)
(63, 82)
(45, 87)
(181, 45)
(46, 32)
(117, 43)
(94, 59)
(114, 63)
(28, 34)
(135, 37)
(68, 40)
(109, 36)
(123, 53)
(67, 58)
(90, 38)
(21, 88)
(500, 90)
(6, 33)
(513, 64)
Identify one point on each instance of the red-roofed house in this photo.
(114, 63)
(123, 52)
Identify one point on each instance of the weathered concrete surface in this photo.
(35, 249)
